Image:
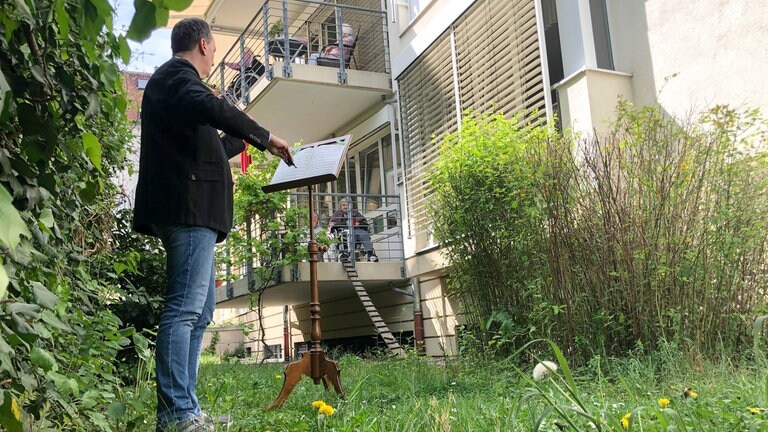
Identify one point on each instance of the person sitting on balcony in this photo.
(253, 70)
(331, 52)
(358, 228)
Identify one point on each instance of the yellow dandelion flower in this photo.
(753, 410)
(683, 165)
(663, 402)
(278, 376)
(690, 393)
(16, 409)
(625, 420)
(318, 404)
(327, 410)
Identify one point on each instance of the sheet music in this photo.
(317, 162)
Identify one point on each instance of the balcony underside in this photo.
(311, 105)
(332, 283)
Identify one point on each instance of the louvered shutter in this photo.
(499, 65)
(498, 68)
(429, 113)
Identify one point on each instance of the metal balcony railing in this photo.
(317, 33)
(383, 226)
(381, 223)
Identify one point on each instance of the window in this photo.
(601, 34)
(416, 6)
(273, 351)
(141, 83)
(390, 173)
(372, 177)
(350, 168)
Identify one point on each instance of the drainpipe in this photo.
(286, 336)
(418, 317)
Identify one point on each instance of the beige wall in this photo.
(246, 331)
(588, 99)
(692, 54)
(440, 319)
(230, 339)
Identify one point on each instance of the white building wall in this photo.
(408, 38)
(691, 55)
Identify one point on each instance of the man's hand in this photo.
(280, 148)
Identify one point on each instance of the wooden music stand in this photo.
(317, 162)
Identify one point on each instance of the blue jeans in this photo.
(189, 305)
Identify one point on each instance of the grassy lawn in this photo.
(413, 394)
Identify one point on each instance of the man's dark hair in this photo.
(187, 33)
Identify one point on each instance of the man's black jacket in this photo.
(184, 175)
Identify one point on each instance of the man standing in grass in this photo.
(184, 197)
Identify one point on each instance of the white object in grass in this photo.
(542, 370)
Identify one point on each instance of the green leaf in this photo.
(177, 5)
(50, 318)
(13, 226)
(90, 399)
(125, 49)
(64, 384)
(143, 21)
(92, 149)
(99, 420)
(10, 414)
(43, 296)
(142, 347)
(62, 18)
(6, 96)
(43, 359)
(161, 17)
(46, 217)
(109, 74)
(38, 73)
(116, 410)
(3, 281)
(94, 105)
(757, 331)
(26, 13)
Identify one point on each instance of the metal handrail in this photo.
(267, 40)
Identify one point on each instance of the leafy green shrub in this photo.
(656, 231)
(487, 218)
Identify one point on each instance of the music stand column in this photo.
(315, 351)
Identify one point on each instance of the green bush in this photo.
(487, 218)
(653, 232)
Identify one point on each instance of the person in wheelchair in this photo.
(338, 224)
(254, 69)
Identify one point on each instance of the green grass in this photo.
(413, 394)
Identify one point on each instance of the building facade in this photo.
(133, 84)
(398, 75)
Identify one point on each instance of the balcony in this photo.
(305, 69)
(382, 213)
